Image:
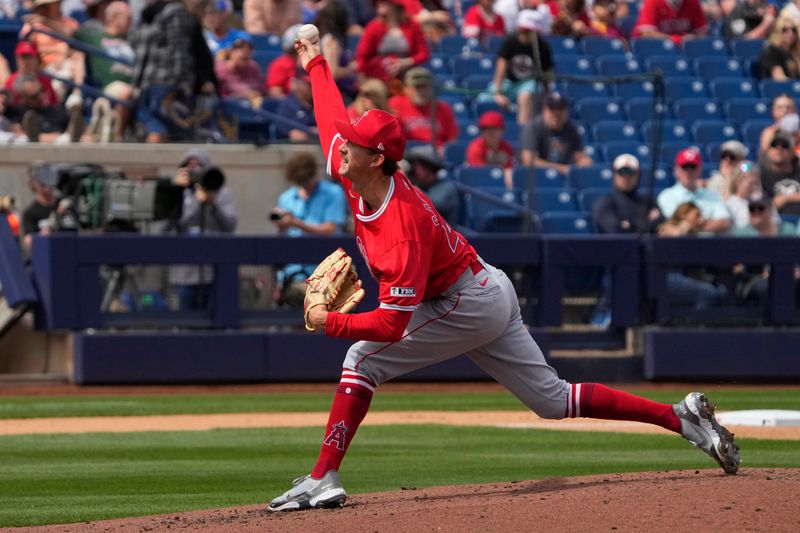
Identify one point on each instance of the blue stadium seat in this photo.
(513, 130)
(466, 65)
(455, 153)
(468, 129)
(641, 109)
(567, 223)
(577, 90)
(747, 49)
(451, 45)
(633, 89)
(751, 131)
(550, 200)
(677, 88)
(671, 130)
(615, 130)
(487, 176)
(726, 89)
(588, 197)
(612, 149)
(770, 88)
(715, 67)
(663, 176)
(445, 82)
(459, 104)
(597, 176)
(265, 57)
(706, 131)
(644, 48)
(740, 110)
(573, 66)
(476, 82)
(596, 46)
(586, 133)
(540, 178)
(708, 46)
(562, 46)
(670, 65)
(617, 66)
(690, 109)
(490, 216)
(594, 151)
(492, 45)
(439, 64)
(596, 109)
(268, 42)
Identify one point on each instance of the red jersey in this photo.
(660, 16)
(280, 73)
(479, 24)
(49, 98)
(479, 154)
(416, 120)
(410, 250)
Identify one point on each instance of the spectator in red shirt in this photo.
(372, 94)
(282, 69)
(570, 17)
(490, 148)
(678, 20)
(481, 22)
(391, 43)
(414, 112)
(238, 74)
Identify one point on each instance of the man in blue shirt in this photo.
(219, 34)
(688, 167)
(311, 206)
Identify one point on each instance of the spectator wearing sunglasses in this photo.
(731, 154)
(780, 174)
(688, 166)
(745, 185)
(780, 60)
(750, 19)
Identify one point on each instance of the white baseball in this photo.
(310, 32)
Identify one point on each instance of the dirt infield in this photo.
(694, 500)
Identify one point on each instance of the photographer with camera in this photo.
(208, 208)
(48, 212)
(311, 206)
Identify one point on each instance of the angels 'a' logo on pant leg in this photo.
(338, 436)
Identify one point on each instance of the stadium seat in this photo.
(540, 178)
(663, 175)
(265, 57)
(690, 109)
(567, 223)
(771, 88)
(677, 88)
(468, 129)
(551, 200)
(592, 110)
(492, 45)
(615, 130)
(617, 65)
(267, 42)
(588, 197)
(479, 107)
(726, 89)
(595, 176)
(670, 150)
(670, 65)
(596, 46)
(577, 90)
(712, 68)
(459, 105)
(493, 216)
(642, 109)
(705, 131)
(671, 130)
(445, 82)
(708, 46)
(586, 133)
(573, 66)
(633, 89)
(644, 48)
(562, 46)
(612, 149)
(751, 131)
(466, 65)
(740, 110)
(451, 45)
(747, 49)
(438, 65)
(476, 82)
(488, 176)
(455, 153)
(595, 152)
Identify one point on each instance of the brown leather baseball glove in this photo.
(334, 284)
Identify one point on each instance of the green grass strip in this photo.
(166, 404)
(70, 478)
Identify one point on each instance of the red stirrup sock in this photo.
(594, 400)
(350, 405)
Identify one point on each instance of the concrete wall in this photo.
(254, 173)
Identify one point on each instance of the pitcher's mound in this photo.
(688, 500)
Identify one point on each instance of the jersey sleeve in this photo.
(648, 18)
(328, 105)
(404, 276)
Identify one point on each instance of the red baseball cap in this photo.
(375, 129)
(25, 48)
(491, 119)
(689, 156)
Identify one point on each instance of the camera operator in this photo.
(48, 212)
(208, 208)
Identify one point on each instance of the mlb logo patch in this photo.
(403, 292)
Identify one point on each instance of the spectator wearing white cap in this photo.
(624, 210)
(731, 155)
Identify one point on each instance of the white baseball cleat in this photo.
(700, 427)
(308, 493)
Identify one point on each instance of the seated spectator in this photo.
(750, 19)
(745, 185)
(509, 10)
(780, 174)
(299, 107)
(391, 43)
(113, 77)
(432, 16)
(96, 15)
(732, 153)
(517, 66)
(551, 139)
(281, 71)
(218, 32)
(372, 94)
(490, 148)
(784, 113)
(415, 110)
(604, 21)
(332, 23)
(791, 10)
(780, 59)
(693, 288)
(687, 189)
(271, 16)
(762, 220)
(311, 206)
(571, 18)
(624, 210)
(678, 20)
(481, 22)
(424, 167)
(238, 74)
